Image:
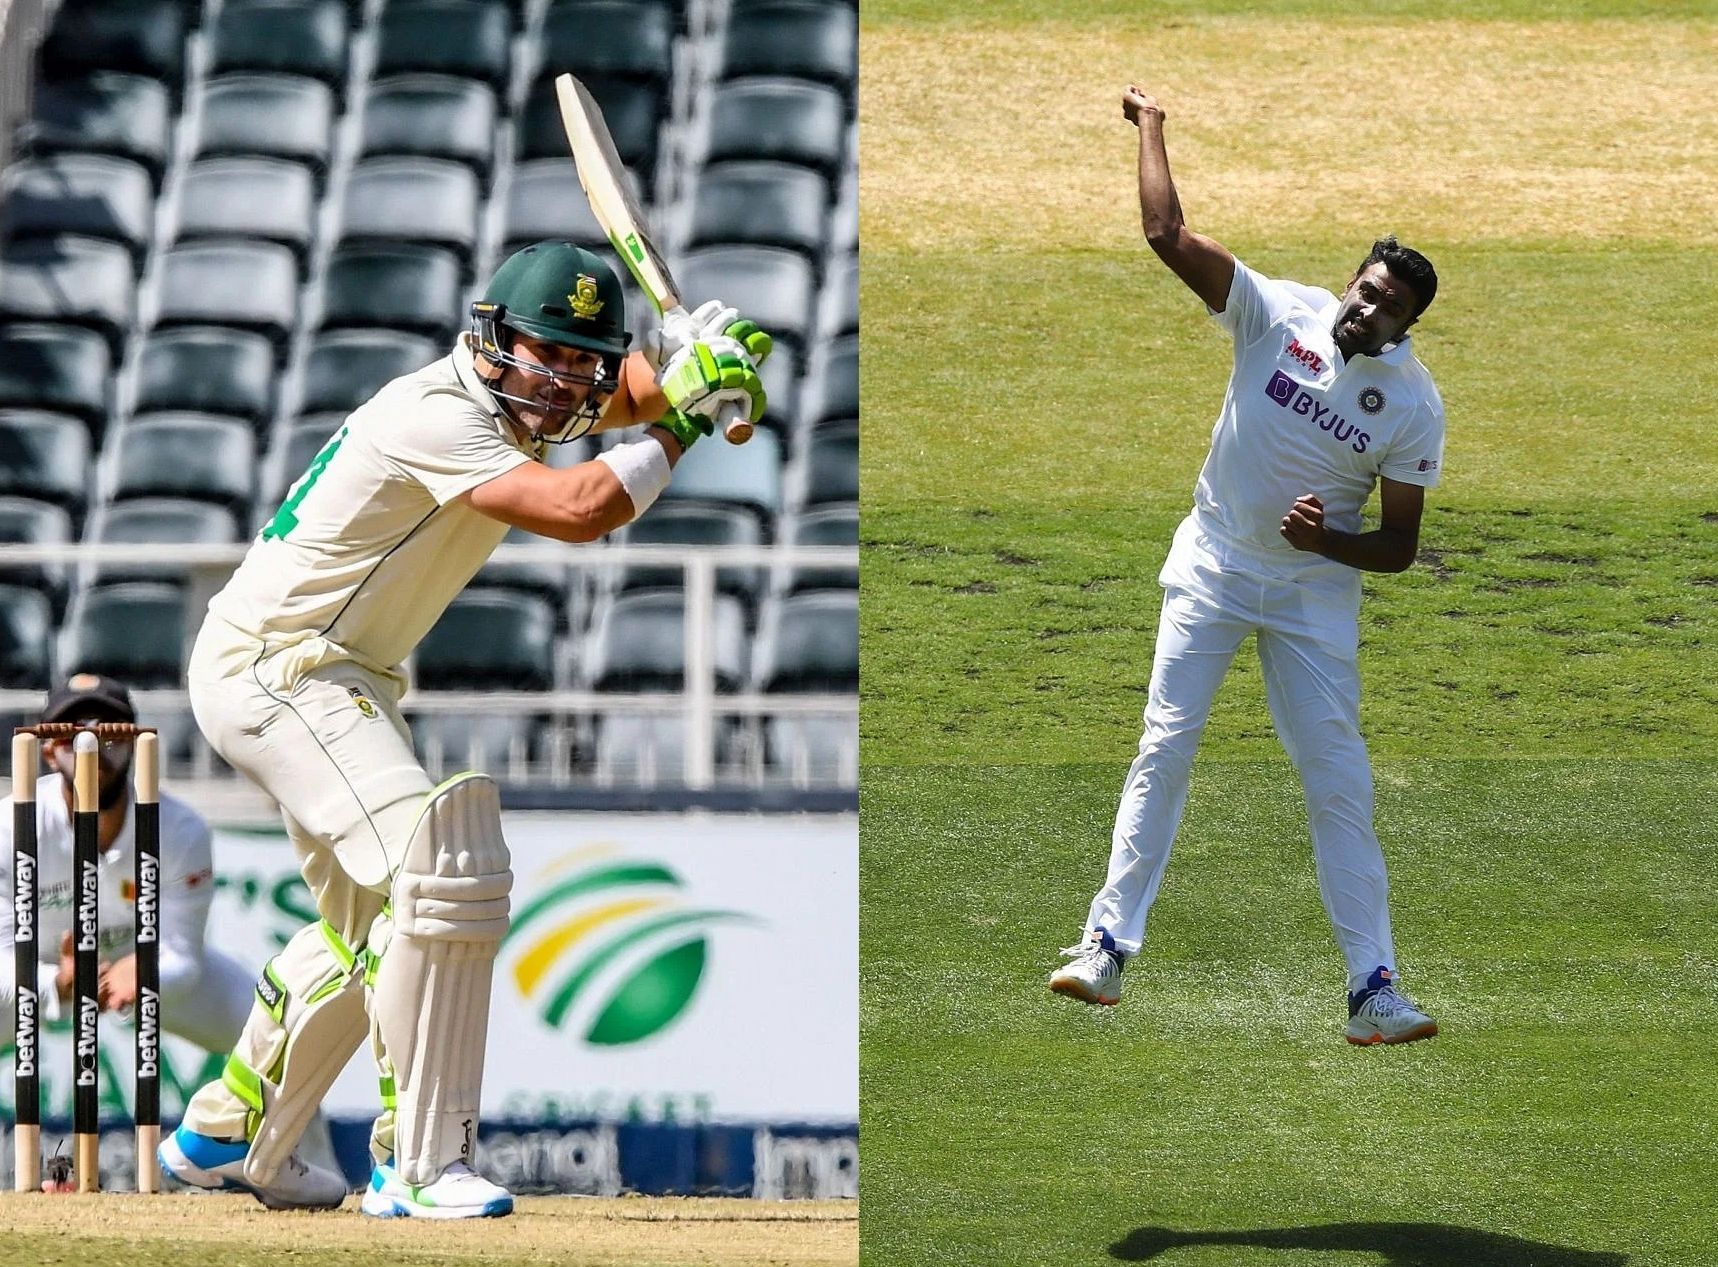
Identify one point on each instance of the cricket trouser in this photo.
(1307, 651)
(328, 743)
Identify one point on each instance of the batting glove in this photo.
(711, 374)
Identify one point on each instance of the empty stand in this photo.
(45, 455)
(300, 39)
(249, 284)
(789, 120)
(807, 751)
(807, 41)
(746, 476)
(490, 640)
(134, 631)
(90, 195)
(267, 198)
(187, 455)
(209, 369)
(632, 110)
(412, 199)
(764, 204)
(545, 201)
(346, 367)
(106, 112)
(27, 521)
(623, 39)
(830, 526)
(771, 285)
(431, 116)
(692, 524)
(832, 464)
(639, 643)
(272, 116)
(164, 521)
(62, 368)
(810, 642)
(415, 288)
(142, 37)
(448, 37)
(78, 281)
(836, 398)
(26, 627)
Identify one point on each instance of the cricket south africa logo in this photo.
(610, 947)
(584, 297)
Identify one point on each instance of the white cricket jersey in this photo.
(1299, 418)
(187, 888)
(371, 544)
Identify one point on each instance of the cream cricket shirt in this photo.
(1298, 418)
(187, 888)
(371, 545)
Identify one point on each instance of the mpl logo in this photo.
(1305, 355)
(612, 950)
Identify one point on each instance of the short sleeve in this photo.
(448, 445)
(1416, 456)
(1255, 303)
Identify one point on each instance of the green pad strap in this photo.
(243, 1081)
(337, 944)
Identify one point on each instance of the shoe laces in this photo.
(1092, 952)
(1385, 1001)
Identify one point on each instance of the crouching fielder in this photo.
(295, 680)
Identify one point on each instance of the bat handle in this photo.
(735, 426)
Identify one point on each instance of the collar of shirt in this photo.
(465, 369)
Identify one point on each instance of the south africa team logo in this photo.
(584, 297)
(610, 948)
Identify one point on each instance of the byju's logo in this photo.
(1281, 388)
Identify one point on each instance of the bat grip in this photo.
(733, 423)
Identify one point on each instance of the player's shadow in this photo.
(1400, 1245)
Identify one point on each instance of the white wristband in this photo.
(642, 468)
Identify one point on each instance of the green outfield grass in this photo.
(1540, 689)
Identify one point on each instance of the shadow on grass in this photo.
(1400, 1244)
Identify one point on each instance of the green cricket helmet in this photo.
(558, 293)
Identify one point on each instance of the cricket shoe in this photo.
(219, 1166)
(460, 1193)
(1378, 1014)
(1094, 973)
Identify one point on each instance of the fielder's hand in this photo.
(1303, 526)
(1135, 102)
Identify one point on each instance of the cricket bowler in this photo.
(295, 679)
(1325, 400)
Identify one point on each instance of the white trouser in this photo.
(1307, 649)
(329, 745)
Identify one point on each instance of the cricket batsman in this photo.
(1325, 400)
(296, 677)
(204, 994)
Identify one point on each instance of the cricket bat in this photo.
(603, 177)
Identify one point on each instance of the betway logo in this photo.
(148, 1033)
(1291, 395)
(87, 930)
(24, 895)
(148, 898)
(86, 1042)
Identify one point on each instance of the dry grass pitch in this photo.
(170, 1231)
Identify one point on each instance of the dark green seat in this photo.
(651, 749)
(90, 195)
(186, 455)
(490, 639)
(269, 199)
(253, 285)
(431, 116)
(762, 204)
(414, 288)
(773, 286)
(639, 643)
(633, 110)
(47, 455)
(625, 38)
(207, 369)
(133, 631)
(832, 464)
(448, 37)
(810, 642)
(807, 41)
(495, 742)
(296, 39)
(746, 475)
(545, 201)
(835, 525)
(789, 120)
(781, 379)
(812, 751)
(346, 367)
(835, 397)
(63, 368)
(141, 37)
(691, 523)
(841, 291)
(164, 521)
(105, 112)
(80, 281)
(420, 200)
(26, 622)
(28, 521)
(276, 116)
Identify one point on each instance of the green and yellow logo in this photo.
(611, 947)
(584, 297)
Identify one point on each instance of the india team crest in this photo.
(584, 297)
(1371, 400)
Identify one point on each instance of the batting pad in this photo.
(429, 1006)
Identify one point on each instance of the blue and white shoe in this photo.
(460, 1193)
(1377, 1014)
(218, 1165)
(1094, 976)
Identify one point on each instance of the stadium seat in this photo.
(207, 369)
(639, 643)
(134, 631)
(746, 475)
(844, 225)
(45, 455)
(495, 742)
(269, 199)
(781, 379)
(91, 195)
(78, 281)
(772, 286)
(627, 39)
(807, 41)
(634, 112)
(548, 580)
(296, 39)
(832, 464)
(789, 120)
(545, 201)
(810, 642)
(411, 199)
(490, 640)
(27, 521)
(762, 204)
(249, 284)
(836, 395)
(447, 37)
(108, 112)
(651, 749)
(690, 523)
(142, 37)
(165, 521)
(26, 619)
(830, 526)
(812, 751)
(186, 455)
(430, 116)
(63, 368)
(413, 288)
(272, 116)
(346, 367)
(841, 310)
